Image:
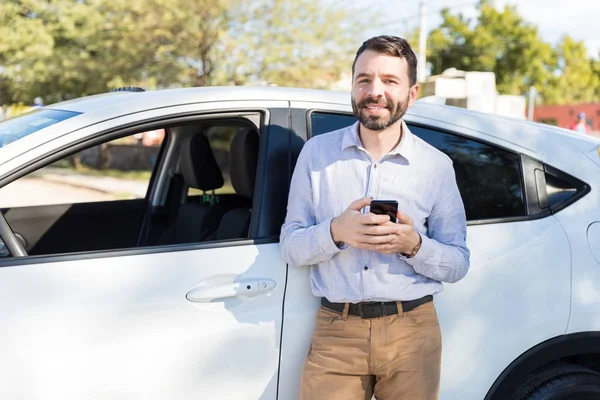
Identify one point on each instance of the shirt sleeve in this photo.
(444, 255)
(303, 241)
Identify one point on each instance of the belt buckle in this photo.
(361, 312)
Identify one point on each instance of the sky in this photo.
(578, 18)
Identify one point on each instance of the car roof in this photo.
(522, 133)
(506, 128)
(168, 97)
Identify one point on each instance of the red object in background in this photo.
(151, 138)
(565, 116)
(586, 127)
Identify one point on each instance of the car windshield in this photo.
(16, 128)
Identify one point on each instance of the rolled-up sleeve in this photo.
(303, 241)
(444, 255)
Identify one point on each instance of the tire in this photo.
(561, 381)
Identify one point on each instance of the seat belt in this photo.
(172, 204)
(173, 200)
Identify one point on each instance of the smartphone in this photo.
(385, 207)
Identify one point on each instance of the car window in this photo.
(488, 177)
(321, 122)
(97, 199)
(16, 128)
(116, 170)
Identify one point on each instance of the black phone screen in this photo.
(385, 207)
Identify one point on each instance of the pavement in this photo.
(126, 188)
(28, 191)
(59, 186)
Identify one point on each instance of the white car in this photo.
(179, 293)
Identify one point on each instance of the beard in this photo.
(379, 122)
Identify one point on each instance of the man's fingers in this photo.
(404, 219)
(374, 219)
(375, 239)
(379, 229)
(359, 204)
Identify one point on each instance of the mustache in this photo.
(370, 101)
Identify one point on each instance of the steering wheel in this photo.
(12, 243)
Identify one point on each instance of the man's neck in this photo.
(379, 143)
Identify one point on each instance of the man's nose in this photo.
(376, 88)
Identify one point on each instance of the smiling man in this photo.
(376, 331)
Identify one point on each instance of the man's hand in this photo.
(374, 232)
(393, 238)
(351, 226)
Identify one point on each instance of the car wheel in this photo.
(561, 381)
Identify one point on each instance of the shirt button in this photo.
(375, 166)
(366, 268)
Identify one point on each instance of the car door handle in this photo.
(244, 288)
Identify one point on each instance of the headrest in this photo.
(243, 159)
(198, 164)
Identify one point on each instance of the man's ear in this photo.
(413, 94)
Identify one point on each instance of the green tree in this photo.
(302, 43)
(100, 44)
(498, 41)
(24, 43)
(577, 77)
(62, 49)
(504, 43)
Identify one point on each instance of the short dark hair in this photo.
(393, 46)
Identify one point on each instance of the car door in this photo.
(520, 263)
(199, 320)
(516, 293)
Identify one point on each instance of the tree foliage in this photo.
(61, 49)
(577, 79)
(501, 41)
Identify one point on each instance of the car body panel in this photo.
(300, 310)
(576, 220)
(515, 277)
(121, 327)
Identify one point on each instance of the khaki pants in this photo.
(396, 357)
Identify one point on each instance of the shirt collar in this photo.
(405, 148)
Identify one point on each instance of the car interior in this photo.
(215, 216)
(201, 189)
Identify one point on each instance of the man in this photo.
(377, 330)
(581, 124)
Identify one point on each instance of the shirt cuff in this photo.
(325, 240)
(425, 255)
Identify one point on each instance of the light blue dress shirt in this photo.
(332, 171)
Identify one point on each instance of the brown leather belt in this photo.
(376, 309)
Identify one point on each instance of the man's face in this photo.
(381, 92)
